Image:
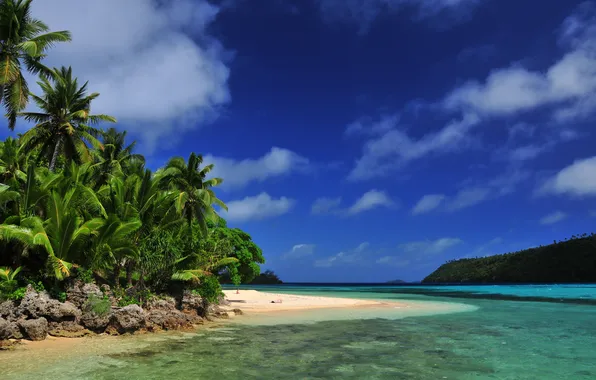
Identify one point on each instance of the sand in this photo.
(253, 301)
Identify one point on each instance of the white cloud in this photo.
(325, 206)
(553, 218)
(467, 198)
(364, 12)
(473, 193)
(577, 179)
(569, 84)
(299, 251)
(368, 201)
(345, 257)
(238, 173)
(367, 126)
(383, 154)
(259, 207)
(394, 261)
(417, 253)
(428, 203)
(141, 58)
(429, 247)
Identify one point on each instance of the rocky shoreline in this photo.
(89, 310)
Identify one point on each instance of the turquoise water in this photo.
(493, 338)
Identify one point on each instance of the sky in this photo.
(358, 140)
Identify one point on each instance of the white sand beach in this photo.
(263, 302)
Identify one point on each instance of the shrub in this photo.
(209, 289)
(99, 306)
(85, 275)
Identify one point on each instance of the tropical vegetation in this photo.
(569, 261)
(78, 202)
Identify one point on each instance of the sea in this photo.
(534, 332)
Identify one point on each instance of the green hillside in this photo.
(569, 261)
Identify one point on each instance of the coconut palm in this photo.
(64, 235)
(195, 198)
(115, 157)
(24, 40)
(63, 125)
(113, 246)
(12, 162)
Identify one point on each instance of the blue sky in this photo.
(359, 140)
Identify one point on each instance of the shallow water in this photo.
(494, 339)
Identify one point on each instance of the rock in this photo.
(94, 322)
(67, 329)
(168, 319)
(193, 302)
(7, 310)
(78, 293)
(8, 344)
(223, 301)
(128, 319)
(61, 311)
(34, 329)
(166, 303)
(33, 303)
(9, 330)
(237, 311)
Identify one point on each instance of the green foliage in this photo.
(85, 275)
(99, 306)
(8, 281)
(17, 294)
(267, 278)
(571, 261)
(25, 41)
(77, 201)
(209, 289)
(133, 297)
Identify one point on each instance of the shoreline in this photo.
(255, 307)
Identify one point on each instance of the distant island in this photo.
(569, 261)
(267, 278)
(396, 282)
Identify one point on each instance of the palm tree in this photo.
(23, 40)
(64, 235)
(62, 125)
(12, 162)
(115, 157)
(113, 246)
(213, 255)
(195, 198)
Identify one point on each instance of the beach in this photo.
(253, 301)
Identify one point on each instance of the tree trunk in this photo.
(55, 154)
(129, 274)
(117, 275)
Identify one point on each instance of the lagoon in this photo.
(505, 332)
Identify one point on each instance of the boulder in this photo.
(9, 330)
(94, 322)
(128, 319)
(34, 329)
(8, 310)
(193, 302)
(78, 293)
(168, 319)
(61, 311)
(68, 329)
(33, 303)
(165, 303)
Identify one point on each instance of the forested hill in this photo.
(568, 261)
